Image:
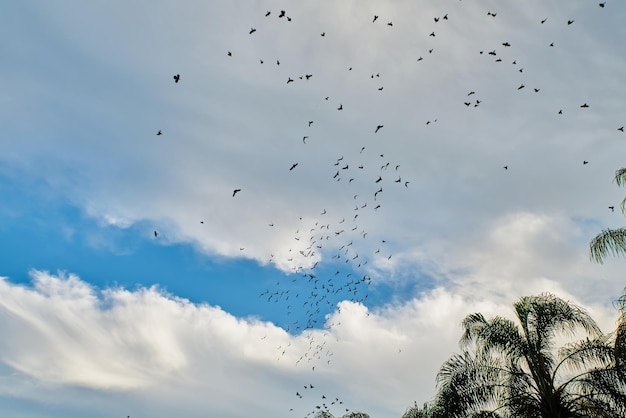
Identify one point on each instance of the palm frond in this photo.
(608, 242)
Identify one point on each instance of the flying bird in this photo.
(602, 4)
(177, 77)
(585, 162)
(584, 105)
(156, 234)
(236, 191)
(375, 17)
(378, 128)
(569, 22)
(252, 30)
(612, 208)
(159, 133)
(294, 165)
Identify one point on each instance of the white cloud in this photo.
(130, 346)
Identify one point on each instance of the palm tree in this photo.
(610, 241)
(514, 370)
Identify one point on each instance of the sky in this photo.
(393, 175)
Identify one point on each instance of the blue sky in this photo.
(350, 254)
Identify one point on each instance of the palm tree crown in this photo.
(515, 370)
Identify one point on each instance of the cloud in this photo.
(67, 336)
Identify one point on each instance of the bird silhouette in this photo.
(375, 18)
(267, 13)
(602, 4)
(236, 191)
(176, 78)
(159, 133)
(569, 22)
(585, 162)
(340, 107)
(294, 165)
(621, 129)
(156, 234)
(252, 30)
(584, 105)
(612, 208)
(378, 128)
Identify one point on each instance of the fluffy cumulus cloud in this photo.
(128, 347)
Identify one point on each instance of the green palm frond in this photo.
(608, 242)
(620, 176)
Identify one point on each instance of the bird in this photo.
(584, 105)
(236, 191)
(252, 30)
(294, 165)
(282, 14)
(520, 87)
(304, 138)
(323, 34)
(177, 77)
(432, 34)
(506, 44)
(536, 90)
(267, 13)
(390, 24)
(569, 22)
(612, 208)
(310, 123)
(378, 128)
(602, 4)
(230, 54)
(561, 112)
(551, 44)
(375, 18)
(340, 107)
(506, 167)
(156, 234)
(445, 17)
(289, 80)
(159, 133)
(585, 162)
(621, 129)
(544, 21)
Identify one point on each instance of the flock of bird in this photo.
(313, 289)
